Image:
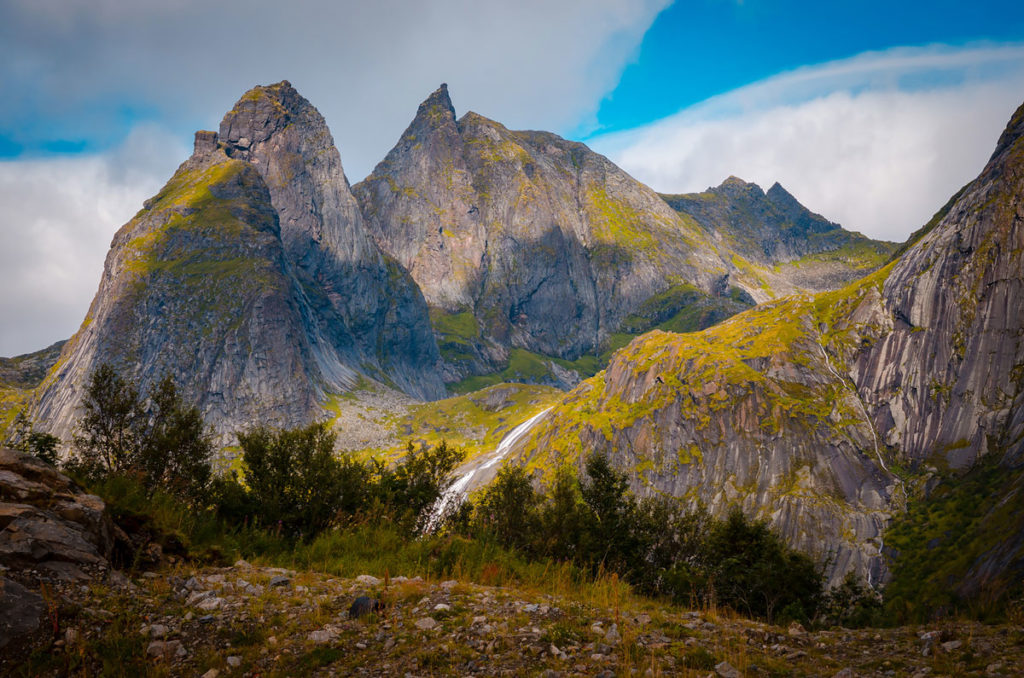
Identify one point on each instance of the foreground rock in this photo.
(47, 522)
(51, 532)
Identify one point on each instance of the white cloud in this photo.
(55, 228)
(877, 142)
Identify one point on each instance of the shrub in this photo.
(294, 480)
(42, 446)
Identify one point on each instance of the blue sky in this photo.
(870, 113)
(698, 49)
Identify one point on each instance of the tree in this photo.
(755, 572)
(174, 448)
(107, 436)
(606, 494)
(413, 486)
(294, 479)
(508, 508)
(564, 517)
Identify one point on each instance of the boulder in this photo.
(47, 521)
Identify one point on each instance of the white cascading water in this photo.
(459, 490)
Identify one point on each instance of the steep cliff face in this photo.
(196, 286)
(790, 248)
(529, 240)
(797, 409)
(368, 310)
(949, 380)
(251, 279)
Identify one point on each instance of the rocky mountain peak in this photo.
(260, 113)
(436, 110)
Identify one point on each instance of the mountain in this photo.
(824, 414)
(790, 248)
(533, 251)
(250, 278)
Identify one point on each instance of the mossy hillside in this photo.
(952, 536)
(207, 236)
(12, 401)
(457, 334)
(770, 359)
(475, 421)
(528, 367)
(853, 250)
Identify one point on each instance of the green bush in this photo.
(295, 482)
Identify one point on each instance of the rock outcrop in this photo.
(49, 523)
(524, 239)
(796, 410)
(250, 279)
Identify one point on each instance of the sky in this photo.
(870, 113)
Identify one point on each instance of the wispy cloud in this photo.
(877, 142)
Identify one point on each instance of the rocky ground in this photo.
(252, 621)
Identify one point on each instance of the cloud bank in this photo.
(57, 221)
(82, 72)
(877, 142)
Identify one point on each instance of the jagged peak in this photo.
(734, 185)
(262, 111)
(780, 195)
(437, 107)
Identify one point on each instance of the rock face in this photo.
(368, 310)
(792, 248)
(525, 239)
(47, 522)
(251, 281)
(948, 381)
(795, 410)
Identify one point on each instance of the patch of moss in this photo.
(965, 520)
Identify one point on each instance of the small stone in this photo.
(532, 607)
(612, 637)
(845, 673)
(206, 619)
(367, 580)
(449, 585)
(234, 661)
(597, 628)
(71, 636)
(479, 620)
(212, 673)
(321, 636)
(796, 629)
(426, 623)
(727, 670)
(210, 604)
(242, 565)
(280, 580)
(643, 619)
(442, 607)
(158, 631)
(360, 646)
